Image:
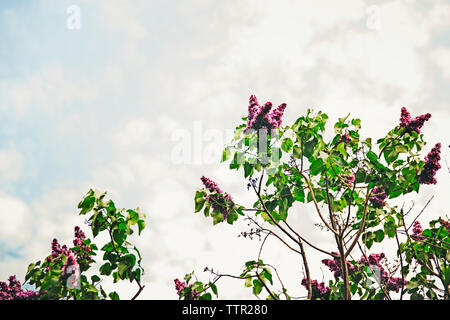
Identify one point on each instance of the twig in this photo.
(363, 221)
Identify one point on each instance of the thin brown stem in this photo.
(316, 204)
(401, 263)
(363, 222)
(308, 275)
(265, 286)
(307, 242)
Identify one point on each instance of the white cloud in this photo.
(15, 221)
(47, 90)
(442, 58)
(135, 132)
(11, 165)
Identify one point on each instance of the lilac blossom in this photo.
(428, 174)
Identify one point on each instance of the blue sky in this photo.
(98, 107)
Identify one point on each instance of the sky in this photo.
(104, 94)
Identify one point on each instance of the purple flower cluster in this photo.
(84, 253)
(180, 286)
(348, 179)
(14, 291)
(260, 117)
(57, 254)
(374, 261)
(71, 264)
(210, 185)
(412, 124)
(335, 266)
(395, 284)
(417, 232)
(378, 197)
(219, 200)
(319, 290)
(445, 223)
(345, 138)
(427, 176)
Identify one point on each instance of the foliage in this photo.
(350, 181)
(63, 274)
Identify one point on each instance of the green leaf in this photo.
(114, 296)
(299, 195)
(341, 148)
(122, 269)
(360, 176)
(372, 156)
(257, 286)
(356, 123)
(248, 169)
(427, 233)
(86, 205)
(31, 267)
(130, 260)
(379, 235)
(297, 152)
(236, 162)
(284, 206)
(199, 200)
(90, 288)
(390, 155)
(390, 227)
(106, 269)
(232, 217)
(226, 154)
(354, 288)
(316, 166)
(308, 147)
(141, 226)
(411, 285)
(395, 193)
(268, 275)
(217, 217)
(401, 148)
(287, 144)
(206, 296)
(213, 288)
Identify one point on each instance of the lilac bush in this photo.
(349, 181)
(62, 274)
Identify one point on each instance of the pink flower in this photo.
(179, 286)
(260, 117)
(417, 232)
(220, 201)
(445, 223)
(427, 176)
(378, 197)
(210, 185)
(345, 138)
(319, 290)
(412, 124)
(14, 291)
(335, 266)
